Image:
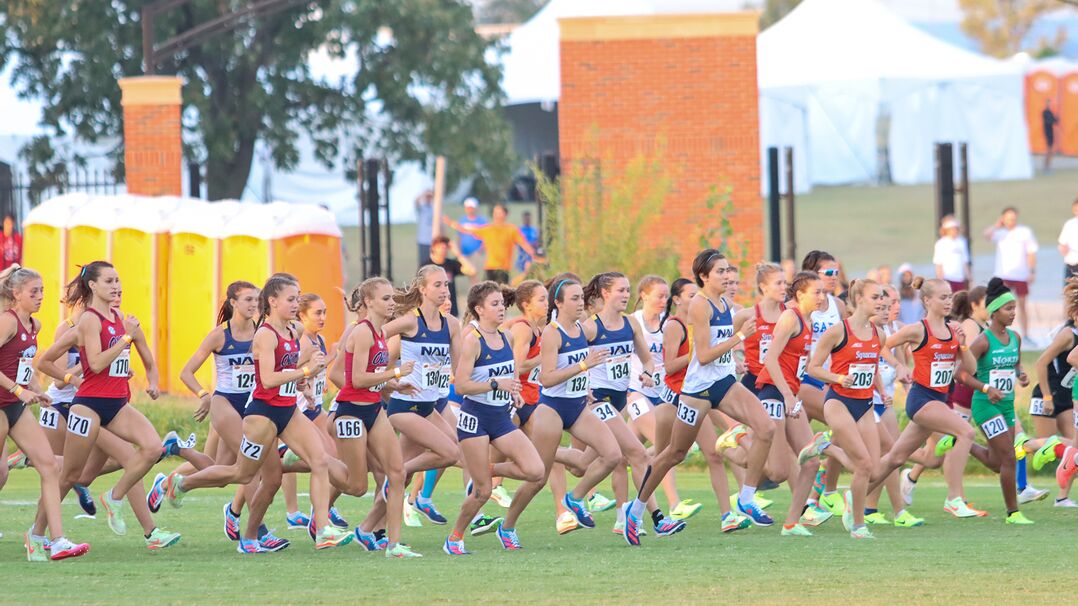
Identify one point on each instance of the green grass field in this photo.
(947, 561)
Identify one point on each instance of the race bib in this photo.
(667, 394)
(802, 363)
(250, 450)
(1002, 380)
(49, 418)
(941, 374)
(121, 366)
(863, 375)
(290, 389)
(725, 359)
(638, 408)
(25, 371)
(431, 376)
(765, 345)
(578, 386)
(996, 426)
(687, 414)
(443, 380)
(380, 386)
(349, 428)
(78, 425)
(243, 377)
(468, 423)
(776, 409)
(1068, 379)
(333, 406)
(319, 389)
(617, 369)
(499, 396)
(604, 411)
(1036, 406)
(533, 376)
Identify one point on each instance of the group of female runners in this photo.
(687, 365)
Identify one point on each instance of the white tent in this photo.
(831, 69)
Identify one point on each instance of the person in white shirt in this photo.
(1016, 257)
(951, 256)
(1068, 244)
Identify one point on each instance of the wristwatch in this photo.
(494, 384)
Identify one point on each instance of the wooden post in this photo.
(439, 193)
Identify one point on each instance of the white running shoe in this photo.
(1031, 494)
(906, 487)
(1066, 503)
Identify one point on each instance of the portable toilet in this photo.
(193, 296)
(307, 244)
(246, 232)
(45, 250)
(89, 231)
(140, 253)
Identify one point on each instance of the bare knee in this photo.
(610, 458)
(356, 487)
(764, 433)
(533, 471)
(481, 490)
(862, 465)
(318, 463)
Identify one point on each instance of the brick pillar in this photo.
(153, 154)
(690, 80)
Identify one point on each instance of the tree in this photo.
(1000, 26)
(507, 11)
(774, 10)
(423, 85)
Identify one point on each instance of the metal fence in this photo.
(20, 192)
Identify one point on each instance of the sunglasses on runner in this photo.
(830, 273)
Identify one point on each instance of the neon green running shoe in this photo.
(290, 458)
(731, 522)
(762, 502)
(160, 539)
(402, 551)
(331, 536)
(411, 516)
(847, 511)
(501, 496)
(796, 530)
(35, 549)
(685, 510)
(115, 510)
(908, 520)
(1045, 454)
(833, 502)
(815, 448)
(1018, 519)
(598, 502)
(862, 532)
(878, 519)
(1020, 445)
(815, 515)
(946, 443)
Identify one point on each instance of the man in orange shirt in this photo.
(499, 238)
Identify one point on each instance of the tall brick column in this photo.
(689, 80)
(153, 152)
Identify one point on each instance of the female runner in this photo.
(486, 378)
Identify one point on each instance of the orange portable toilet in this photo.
(307, 244)
(1041, 86)
(1067, 136)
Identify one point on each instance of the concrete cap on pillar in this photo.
(151, 90)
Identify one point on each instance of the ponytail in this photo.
(675, 291)
(77, 293)
(601, 282)
(411, 297)
(556, 288)
(231, 294)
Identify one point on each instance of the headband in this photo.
(558, 287)
(1000, 301)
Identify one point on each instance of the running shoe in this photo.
(35, 548)
(1067, 467)
(455, 548)
(383, 542)
(945, 443)
(290, 457)
(598, 503)
(1065, 503)
(86, 499)
(367, 540)
(1045, 454)
(1018, 519)
(847, 511)
(331, 536)
(160, 538)
(1020, 440)
(958, 508)
(1030, 494)
(908, 520)
(755, 513)
(232, 523)
(271, 542)
(815, 515)
(115, 510)
(501, 496)
(767, 483)
(61, 549)
(666, 527)
(430, 512)
(730, 438)
(170, 445)
(761, 501)
(815, 448)
(632, 525)
(336, 519)
(906, 487)
(508, 538)
(619, 527)
(296, 520)
(686, 509)
(484, 524)
(156, 495)
(796, 530)
(833, 502)
(281, 449)
(250, 546)
(402, 552)
(174, 490)
(731, 522)
(566, 523)
(411, 516)
(877, 519)
(862, 532)
(312, 531)
(579, 510)
(17, 460)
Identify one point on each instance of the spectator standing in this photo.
(471, 248)
(439, 255)
(424, 224)
(1068, 244)
(951, 255)
(1016, 258)
(531, 234)
(1049, 121)
(10, 244)
(499, 238)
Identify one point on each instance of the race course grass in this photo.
(977, 561)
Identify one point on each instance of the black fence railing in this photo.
(20, 192)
